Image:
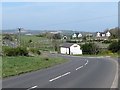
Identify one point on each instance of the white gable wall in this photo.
(64, 50)
(75, 49)
(98, 34)
(108, 34)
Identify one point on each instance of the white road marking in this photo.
(65, 74)
(59, 76)
(32, 87)
(116, 79)
(79, 67)
(82, 66)
(86, 62)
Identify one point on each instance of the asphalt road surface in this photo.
(78, 72)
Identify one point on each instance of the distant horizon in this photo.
(82, 17)
(57, 30)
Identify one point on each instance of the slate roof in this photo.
(67, 45)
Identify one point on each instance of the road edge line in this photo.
(115, 81)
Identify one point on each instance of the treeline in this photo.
(92, 48)
(19, 51)
(115, 33)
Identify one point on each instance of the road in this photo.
(78, 72)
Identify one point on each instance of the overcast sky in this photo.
(88, 16)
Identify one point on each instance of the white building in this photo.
(64, 37)
(70, 49)
(74, 35)
(103, 34)
(98, 34)
(79, 35)
(108, 34)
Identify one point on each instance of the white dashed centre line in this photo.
(86, 62)
(59, 76)
(32, 87)
(79, 68)
(82, 66)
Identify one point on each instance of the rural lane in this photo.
(78, 72)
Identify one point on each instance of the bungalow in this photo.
(70, 49)
(77, 35)
(103, 34)
(64, 37)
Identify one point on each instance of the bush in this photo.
(90, 48)
(19, 51)
(38, 52)
(105, 52)
(34, 50)
(106, 41)
(8, 37)
(114, 46)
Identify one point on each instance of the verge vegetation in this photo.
(18, 65)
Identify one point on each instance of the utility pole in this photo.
(19, 31)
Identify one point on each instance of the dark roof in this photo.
(77, 34)
(67, 45)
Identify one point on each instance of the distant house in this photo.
(103, 34)
(108, 34)
(74, 35)
(70, 49)
(89, 35)
(28, 34)
(98, 34)
(77, 35)
(64, 37)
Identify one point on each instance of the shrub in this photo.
(104, 52)
(19, 51)
(34, 50)
(8, 37)
(114, 46)
(46, 58)
(106, 41)
(90, 48)
(38, 52)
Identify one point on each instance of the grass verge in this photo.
(17, 65)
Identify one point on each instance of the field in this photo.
(41, 43)
(18, 65)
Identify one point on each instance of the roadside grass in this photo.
(17, 65)
(41, 43)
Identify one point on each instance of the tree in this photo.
(114, 46)
(8, 37)
(90, 48)
(30, 41)
(84, 38)
(55, 40)
(56, 36)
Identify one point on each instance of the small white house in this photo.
(79, 35)
(103, 34)
(98, 34)
(74, 35)
(108, 34)
(70, 49)
(64, 37)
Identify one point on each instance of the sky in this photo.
(78, 16)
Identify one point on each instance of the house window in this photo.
(75, 46)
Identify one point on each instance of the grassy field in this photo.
(18, 65)
(41, 43)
